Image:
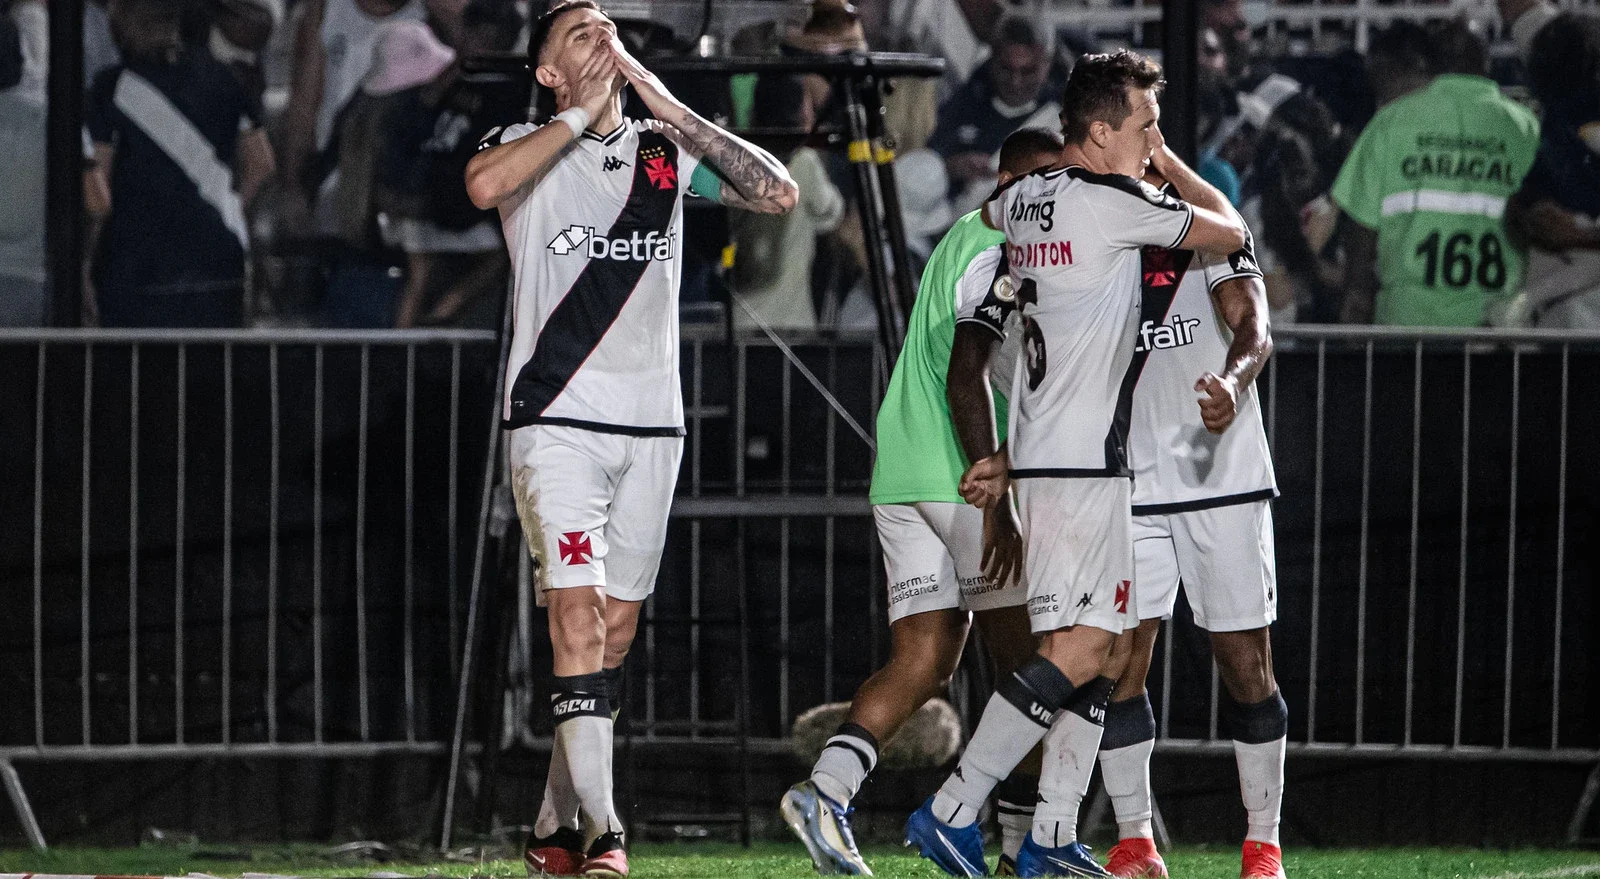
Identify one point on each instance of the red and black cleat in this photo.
(559, 854)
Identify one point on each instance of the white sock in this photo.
(1016, 718)
(845, 763)
(1069, 756)
(585, 730)
(1261, 787)
(1015, 822)
(1126, 774)
(560, 805)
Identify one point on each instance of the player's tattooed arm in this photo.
(1242, 304)
(756, 180)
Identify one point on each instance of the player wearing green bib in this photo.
(932, 540)
(1429, 178)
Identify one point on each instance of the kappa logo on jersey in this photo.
(994, 313)
(575, 548)
(612, 163)
(1041, 212)
(588, 241)
(1241, 262)
(660, 171)
(1175, 333)
(1123, 589)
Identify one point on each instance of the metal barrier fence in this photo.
(228, 545)
(267, 580)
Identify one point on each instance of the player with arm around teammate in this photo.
(1202, 516)
(1073, 238)
(932, 540)
(591, 206)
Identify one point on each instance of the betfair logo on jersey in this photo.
(1174, 333)
(588, 241)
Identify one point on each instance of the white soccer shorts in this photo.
(933, 556)
(594, 505)
(1079, 564)
(1224, 558)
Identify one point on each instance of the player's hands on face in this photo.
(985, 483)
(647, 84)
(592, 87)
(1002, 545)
(1220, 403)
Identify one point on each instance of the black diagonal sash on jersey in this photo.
(578, 323)
(1161, 271)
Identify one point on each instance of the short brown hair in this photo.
(543, 99)
(1097, 90)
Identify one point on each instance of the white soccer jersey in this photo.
(1178, 465)
(595, 250)
(976, 302)
(1072, 241)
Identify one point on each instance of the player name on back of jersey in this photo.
(590, 242)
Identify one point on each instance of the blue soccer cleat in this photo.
(1065, 860)
(824, 827)
(956, 850)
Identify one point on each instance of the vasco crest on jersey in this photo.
(659, 168)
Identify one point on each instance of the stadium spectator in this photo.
(235, 32)
(774, 253)
(1426, 186)
(454, 252)
(1398, 61)
(333, 48)
(181, 139)
(1008, 93)
(1558, 209)
(23, 291)
(956, 30)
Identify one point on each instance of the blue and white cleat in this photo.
(824, 827)
(1065, 860)
(956, 850)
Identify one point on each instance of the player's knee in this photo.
(1116, 664)
(1244, 660)
(577, 627)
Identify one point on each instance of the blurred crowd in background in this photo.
(299, 162)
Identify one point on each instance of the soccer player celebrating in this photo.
(1073, 238)
(932, 540)
(1202, 485)
(591, 204)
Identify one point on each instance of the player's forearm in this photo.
(761, 182)
(967, 392)
(495, 174)
(1242, 303)
(1191, 187)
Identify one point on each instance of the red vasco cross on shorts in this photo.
(1122, 596)
(575, 548)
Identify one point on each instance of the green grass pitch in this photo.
(781, 861)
